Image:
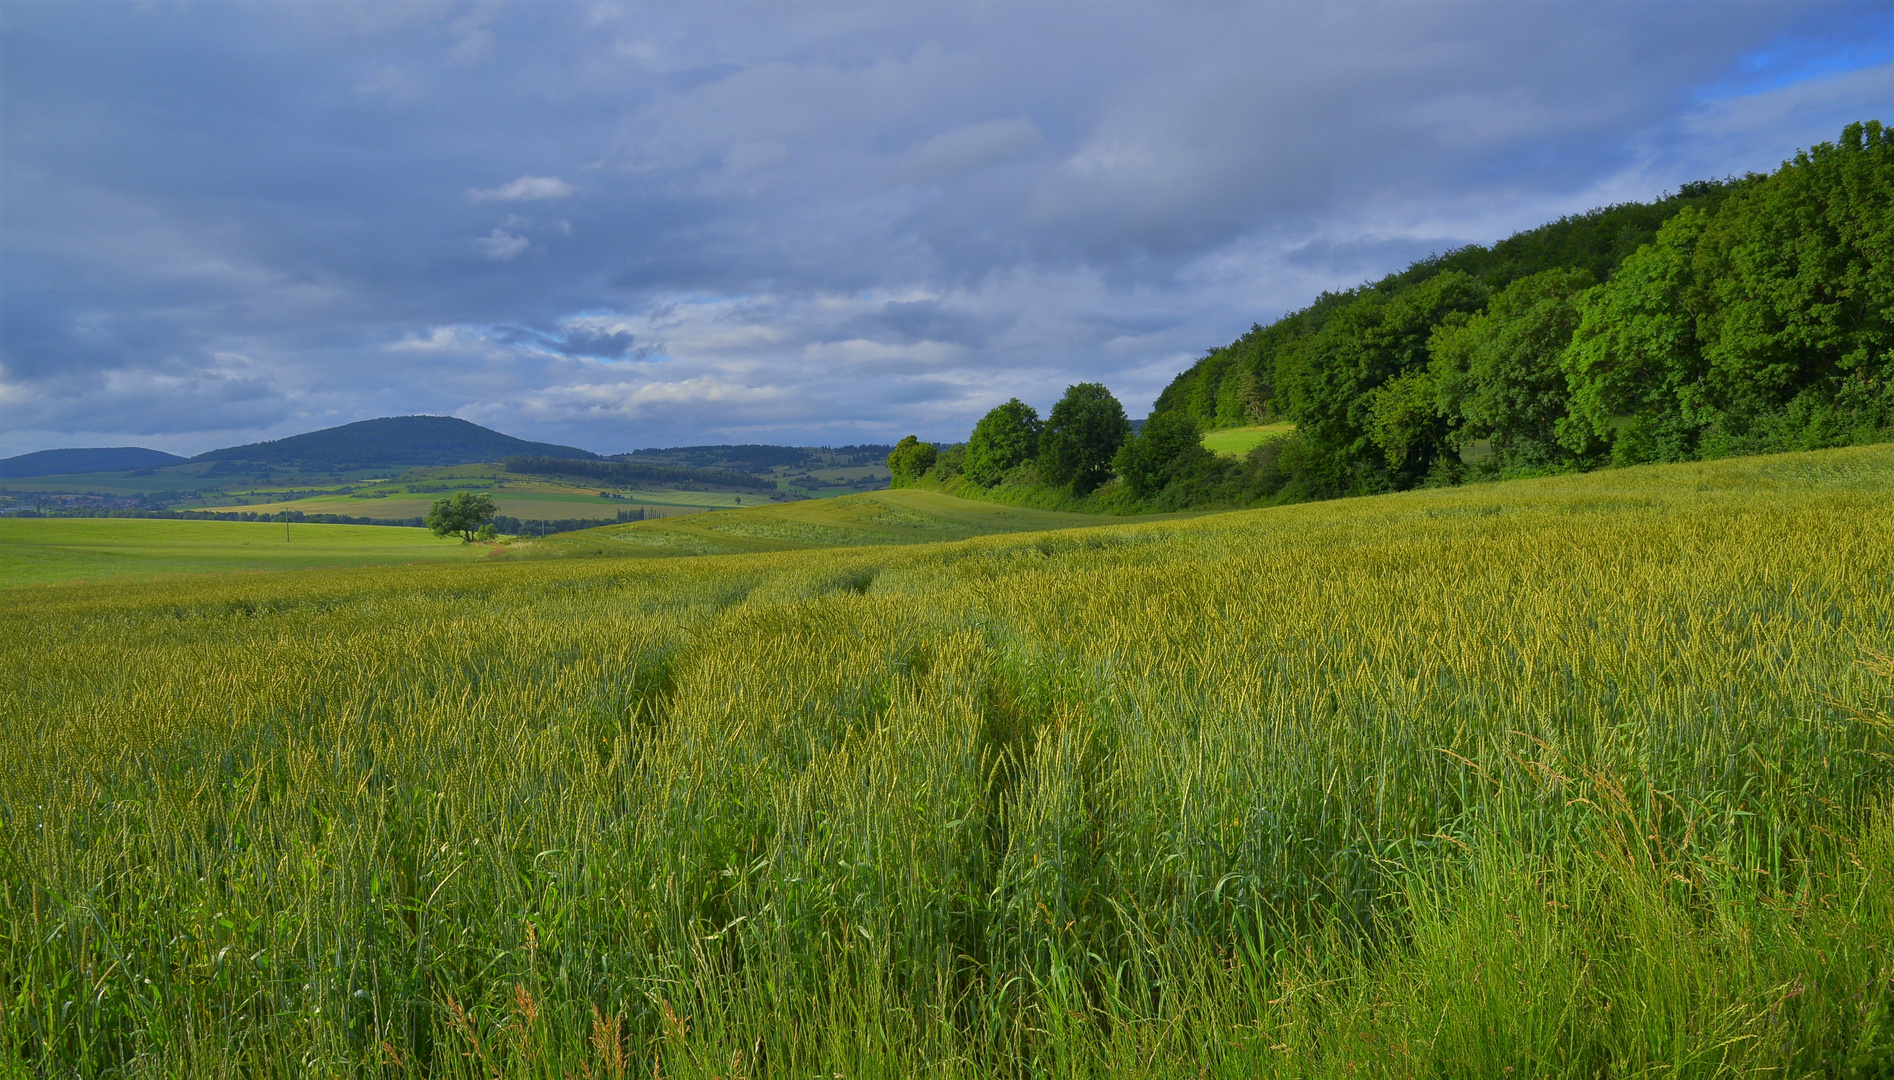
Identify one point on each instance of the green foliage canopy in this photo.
(1738, 316)
(1082, 434)
(1363, 347)
(1497, 374)
(950, 462)
(462, 514)
(1167, 447)
(1006, 436)
(909, 459)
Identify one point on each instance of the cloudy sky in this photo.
(623, 225)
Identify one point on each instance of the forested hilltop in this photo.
(1733, 317)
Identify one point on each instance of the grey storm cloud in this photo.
(625, 225)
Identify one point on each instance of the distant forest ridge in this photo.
(626, 472)
(405, 442)
(95, 459)
(396, 442)
(761, 458)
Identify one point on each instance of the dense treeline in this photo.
(1738, 317)
(626, 472)
(512, 526)
(1733, 317)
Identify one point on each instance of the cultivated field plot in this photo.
(40, 550)
(905, 516)
(1576, 778)
(515, 498)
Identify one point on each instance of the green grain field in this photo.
(1576, 777)
(906, 516)
(41, 550)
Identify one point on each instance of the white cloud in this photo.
(501, 246)
(525, 189)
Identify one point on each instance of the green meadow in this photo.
(906, 516)
(525, 499)
(1237, 441)
(42, 550)
(1575, 777)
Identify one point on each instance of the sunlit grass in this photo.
(1576, 777)
(1235, 442)
(42, 550)
(905, 516)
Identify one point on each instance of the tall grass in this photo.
(1572, 778)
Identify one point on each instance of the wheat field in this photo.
(1575, 777)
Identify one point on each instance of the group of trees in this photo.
(1075, 447)
(1742, 316)
(1739, 316)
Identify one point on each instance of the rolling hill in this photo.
(93, 459)
(394, 442)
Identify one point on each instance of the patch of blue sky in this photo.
(1797, 58)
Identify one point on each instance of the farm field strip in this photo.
(905, 516)
(541, 503)
(35, 551)
(1583, 776)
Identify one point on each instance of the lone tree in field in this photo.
(463, 515)
(1082, 433)
(1004, 437)
(911, 458)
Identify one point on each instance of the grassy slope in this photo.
(905, 516)
(1239, 441)
(1570, 777)
(42, 550)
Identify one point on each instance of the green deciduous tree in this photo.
(1797, 324)
(1006, 436)
(1497, 374)
(1362, 346)
(461, 514)
(1168, 446)
(1082, 434)
(1635, 365)
(949, 463)
(909, 460)
(1766, 323)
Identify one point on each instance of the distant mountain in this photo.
(395, 442)
(93, 459)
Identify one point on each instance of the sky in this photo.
(622, 225)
